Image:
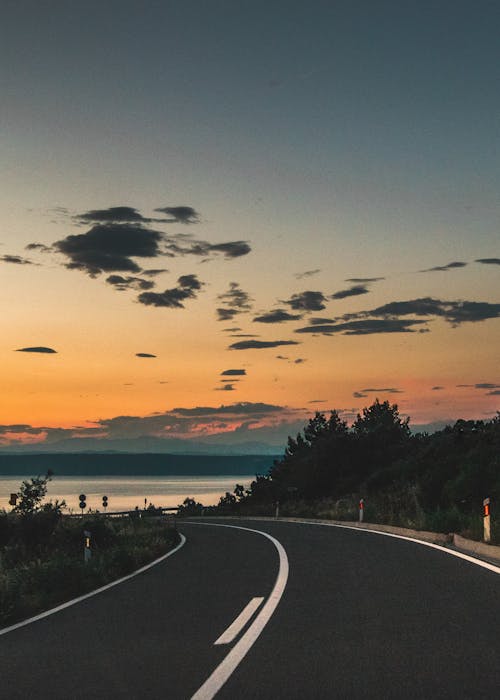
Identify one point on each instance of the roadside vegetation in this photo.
(423, 481)
(42, 551)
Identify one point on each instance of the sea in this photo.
(127, 492)
(131, 480)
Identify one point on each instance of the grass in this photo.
(37, 573)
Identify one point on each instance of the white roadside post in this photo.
(87, 551)
(486, 520)
(277, 512)
(361, 509)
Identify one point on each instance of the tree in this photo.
(381, 423)
(31, 495)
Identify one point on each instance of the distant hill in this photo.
(123, 464)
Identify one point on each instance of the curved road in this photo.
(361, 616)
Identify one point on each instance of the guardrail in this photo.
(126, 513)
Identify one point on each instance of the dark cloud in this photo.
(122, 283)
(41, 349)
(15, 259)
(237, 409)
(306, 301)
(226, 387)
(38, 246)
(181, 214)
(364, 327)
(445, 268)
(319, 321)
(174, 298)
(229, 381)
(364, 280)
(277, 316)
(144, 354)
(359, 395)
(185, 245)
(496, 392)
(488, 261)
(351, 292)
(299, 361)
(233, 373)
(390, 390)
(487, 385)
(437, 388)
(318, 401)
(231, 330)
(282, 357)
(260, 344)
(455, 312)
(109, 248)
(244, 335)
(234, 249)
(153, 273)
(235, 301)
(307, 273)
(112, 215)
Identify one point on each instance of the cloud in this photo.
(230, 381)
(455, 312)
(38, 246)
(437, 388)
(277, 316)
(188, 287)
(260, 344)
(299, 361)
(144, 354)
(15, 260)
(180, 214)
(307, 301)
(226, 387)
(233, 373)
(153, 273)
(40, 349)
(445, 268)
(109, 248)
(487, 385)
(307, 273)
(319, 321)
(390, 390)
(282, 357)
(359, 395)
(231, 330)
(364, 280)
(488, 261)
(496, 392)
(318, 401)
(185, 245)
(122, 283)
(235, 301)
(364, 327)
(244, 335)
(351, 292)
(112, 215)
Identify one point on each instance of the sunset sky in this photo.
(224, 216)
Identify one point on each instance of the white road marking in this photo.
(92, 593)
(230, 662)
(235, 628)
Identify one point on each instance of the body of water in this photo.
(127, 492)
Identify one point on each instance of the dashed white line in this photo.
(235, 628)
(230, 662)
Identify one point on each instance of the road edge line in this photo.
(74, 601)
(231, 661)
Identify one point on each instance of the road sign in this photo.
(13, 499)
(82, 498)
(104, 501)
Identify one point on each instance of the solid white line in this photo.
(228, 665)
(451, 552)
(235, 628)
(92, 593)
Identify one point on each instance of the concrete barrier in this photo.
(487, 551)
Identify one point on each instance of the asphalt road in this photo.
(361, 616)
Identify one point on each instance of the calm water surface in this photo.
(125, 493)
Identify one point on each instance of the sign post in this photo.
(361, 509)
(82, 503)
(277, 512)
(486, 520)
(87, 551)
